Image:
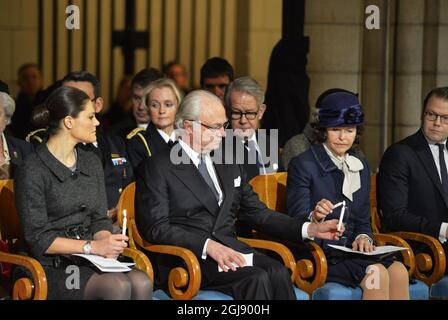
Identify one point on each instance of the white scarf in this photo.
(350, 166)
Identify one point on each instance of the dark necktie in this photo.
(204, 173)
(443, 171)
(252, 153)
(170, 143)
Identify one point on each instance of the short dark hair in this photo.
(84, 76)
(320, 135)
(25, 66)
(216, 67)
(63, 102)
(146, 76)
(441, 93)
(166, 67)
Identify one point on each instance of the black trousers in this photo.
(268, 279)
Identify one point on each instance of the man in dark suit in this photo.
(413, 181)
(244, 101)
(186, 198)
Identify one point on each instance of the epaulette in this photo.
(34, 135)
(134, 132)
(138, 132)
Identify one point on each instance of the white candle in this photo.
(125, 220)
(341, 217)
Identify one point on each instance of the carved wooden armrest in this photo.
(179, 278)
(141, 261)
(430, 268)
(24, 288)
(408, 255)
(311, 276)
(282, 250)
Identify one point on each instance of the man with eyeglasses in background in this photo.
(244, 101)
(216, 75)
(412, 182)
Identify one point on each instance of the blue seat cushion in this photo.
(418, 291)
(301, 295)
(336, 291)
(202, 295)
(216, 295)
(439, 290)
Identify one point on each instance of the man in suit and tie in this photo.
(186, 197)
(413, 181)
(244, 101)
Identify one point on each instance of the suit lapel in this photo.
(424, 153)
(189, 175)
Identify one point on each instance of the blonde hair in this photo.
(163, 83)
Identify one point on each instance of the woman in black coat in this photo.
(61, 200)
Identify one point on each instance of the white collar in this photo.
(166, 137)
(193, 155)
(432, 143)
(5, 149)
(143, 126)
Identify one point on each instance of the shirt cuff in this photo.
(305, 231)
(204, 250)
(442, 234)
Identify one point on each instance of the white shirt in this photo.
(6, 150)
(435, 154)
(142, 125)
(166, 137)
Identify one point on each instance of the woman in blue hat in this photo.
(331, 172)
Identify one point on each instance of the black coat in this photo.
(137, 150)
(409, 190)
(19, 150)
(266, 162)
(174, 206)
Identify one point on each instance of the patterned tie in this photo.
(443, 171)
(204, 173)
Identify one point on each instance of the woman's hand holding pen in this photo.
(110, 247)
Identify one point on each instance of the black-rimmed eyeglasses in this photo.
(431, 116)
(237, 115)
(218, 127)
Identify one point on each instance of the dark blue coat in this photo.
(312, 176)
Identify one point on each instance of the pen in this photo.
(125, 220)
(341, 217)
